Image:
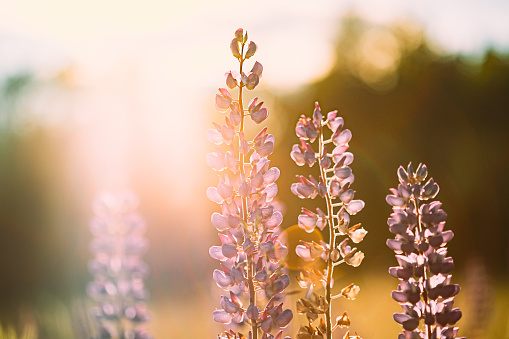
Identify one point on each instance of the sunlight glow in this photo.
(142, 75)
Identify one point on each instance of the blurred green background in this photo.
(403, 98)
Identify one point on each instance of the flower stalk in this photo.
(118, 288)
(250, 251)
(424, 292)
(333, 185)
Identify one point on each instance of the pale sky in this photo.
(79, 29)
(153, 64)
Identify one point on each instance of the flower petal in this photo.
(222, 103)
(357, 235)
(347, 197)
(343, 172)
(213, 195)
(217, 253)
(307, 222)
(214, 136)
(252, 312)
(219, 221)
(394, 200)
(284, 318)
(266, 149)
(222, 280)
(228, 305)
(354, 206)
(303, 252)
(274, 221)
(224, 190)
(222, 316)
(229, 250)
(244, 189)
(343, 138)
(351, 291)
(215, 161)
(260, 115)
(271, 191)
(271, 175)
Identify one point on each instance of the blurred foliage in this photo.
(405, 101)
(12, 90)
(34, 204)
(402, 98)
(9, 333)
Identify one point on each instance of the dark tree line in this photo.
(448, 111)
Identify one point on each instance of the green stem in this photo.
(332, 245)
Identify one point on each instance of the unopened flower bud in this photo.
(234, 46)
(402, 174)
(251, 81)
(254, 106)
(251, 50)
(343, 321)
(252, 312)
(421, 172)
(317, 116)
(260, 115)
(230, 81)
(410, 170)
(239, 34)
(334, 255)
(257, 69)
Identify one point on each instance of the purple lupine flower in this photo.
(425, 292)
(118, 288)
(250, 251)
(333, 185)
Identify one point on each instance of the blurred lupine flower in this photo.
(250, 251)
(425, 292)
(479, 297)
(333, 185)
(118, 287)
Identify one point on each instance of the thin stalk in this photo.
(252, 295)
(250, 280)
(332, 245)
(424, 278)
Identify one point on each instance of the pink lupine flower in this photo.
(425, 292)
(118, 288)
(309, 251)
(333, 185)
(250, 252)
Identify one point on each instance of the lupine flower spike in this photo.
(250, 251)
(118, 270)
(333, 185)
(425, 292)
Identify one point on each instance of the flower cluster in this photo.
(333, 185)
(250, 251)
(425, 291)
(118, 287)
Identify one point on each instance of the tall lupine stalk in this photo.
(118, 287)
(250, 250)
(425, 291)
(333, 185)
